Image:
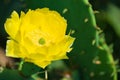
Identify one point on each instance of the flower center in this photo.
(42, 41)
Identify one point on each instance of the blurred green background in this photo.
(79, 66)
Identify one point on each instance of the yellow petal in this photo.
(22, 14)
(10, 49)
(14, 49)
(41, 63)
(12, 25)
(43, 10)
(59, 50)
(57, 24)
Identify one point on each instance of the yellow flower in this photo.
(38, 36)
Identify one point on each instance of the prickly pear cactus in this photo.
(90, 54)
(91, 58)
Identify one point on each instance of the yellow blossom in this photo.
(39, 36)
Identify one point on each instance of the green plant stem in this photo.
(20, 65)
(46, 75)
